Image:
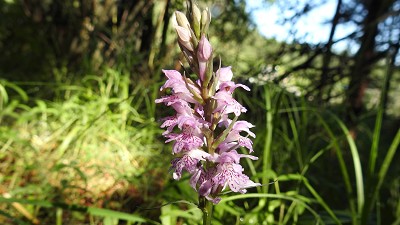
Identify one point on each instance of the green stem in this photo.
(206, 206)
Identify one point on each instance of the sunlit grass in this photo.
(96, 145)
(83, 149)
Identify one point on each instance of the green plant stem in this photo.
(206, 207)
(268, 138)
(59, 213)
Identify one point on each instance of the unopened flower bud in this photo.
(204, 53)
(205, 20)
(184, 37)
(204, 50)
(182, 20)
(196, 14)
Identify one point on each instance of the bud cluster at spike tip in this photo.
(205, 130)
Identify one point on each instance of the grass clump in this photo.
(89, 146)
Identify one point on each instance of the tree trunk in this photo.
(364, 59)
(391, 68)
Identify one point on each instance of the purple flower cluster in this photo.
(205, 130)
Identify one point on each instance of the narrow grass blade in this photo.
(356, 163)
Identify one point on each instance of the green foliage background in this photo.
(80, 141)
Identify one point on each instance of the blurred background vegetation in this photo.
(80, 140)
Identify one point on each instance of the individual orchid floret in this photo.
(189, 162)
(227, 174)
(189, 139)
(227, 104)
(175, 81)
(231, 174)
(235, 137)
(180, 87)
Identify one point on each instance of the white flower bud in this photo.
(205, 20)
(182, 20)
(184, 37)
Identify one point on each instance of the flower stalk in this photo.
(207, 208)
(205, 131)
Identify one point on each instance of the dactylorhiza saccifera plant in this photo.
(205, 130)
